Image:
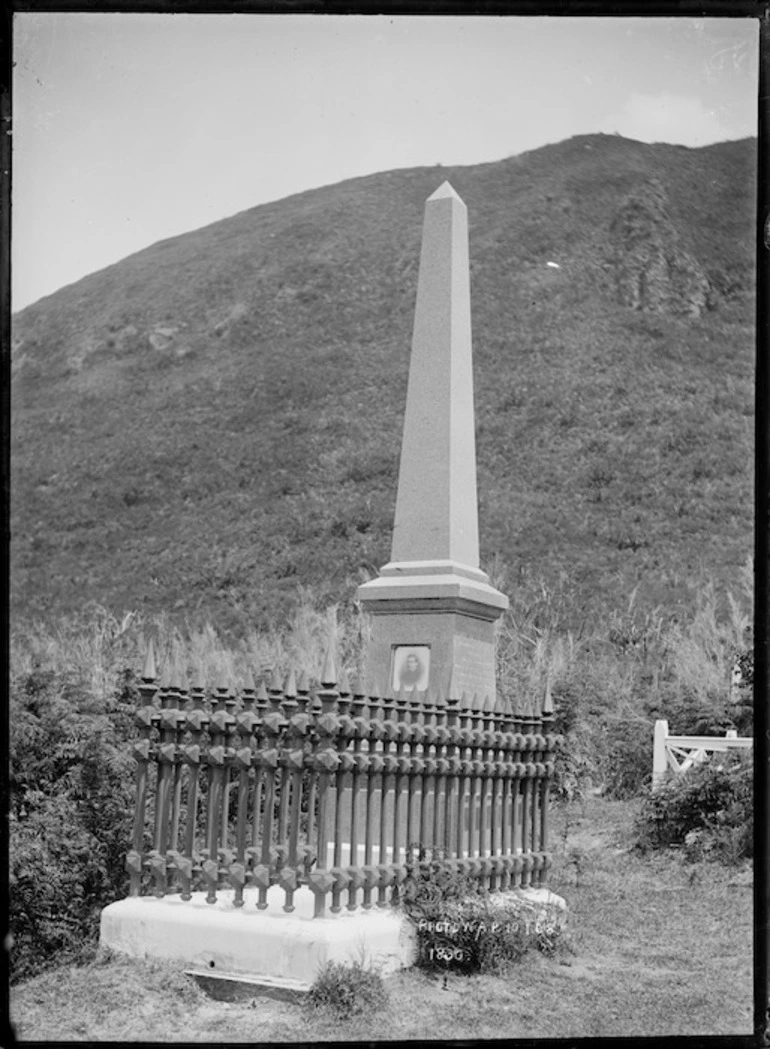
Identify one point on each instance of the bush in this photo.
(71, 795)
(708, 811)
(347, 990)
(628, 761)
(463, 928)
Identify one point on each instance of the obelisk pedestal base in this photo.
(442, 616)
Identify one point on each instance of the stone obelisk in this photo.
(433, 609)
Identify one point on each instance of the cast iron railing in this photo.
(328, 788)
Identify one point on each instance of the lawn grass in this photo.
(655, 947)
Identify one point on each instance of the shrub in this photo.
(628, 761)
(71, 794)
(463, 928)
(347, 990)
(708, 811)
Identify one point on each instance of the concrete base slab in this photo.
(221, 939)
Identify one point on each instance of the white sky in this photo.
(130, 128)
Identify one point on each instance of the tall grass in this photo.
(608, 672)
(91, 649)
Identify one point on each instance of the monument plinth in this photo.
(433, 609)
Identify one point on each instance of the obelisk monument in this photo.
(433, 609)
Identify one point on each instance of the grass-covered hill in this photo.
(215, 421)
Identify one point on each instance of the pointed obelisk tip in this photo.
(445, 190)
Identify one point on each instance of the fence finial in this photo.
(149, 673)
(547, 709)
(290, 688)
(329, 676)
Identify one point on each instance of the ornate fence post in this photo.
(326, 761)
(454, 761)
(178, 864)
(374, 768)
(306, 856)
(299, 723)
(506, 768)
(344, 766)
(243, 757)
(360, 768)
(196, 722)
(268, 760)
(427, 716)
(146, 718)
(442, 768)
(216, 776)
(546, 728)
(166, 754)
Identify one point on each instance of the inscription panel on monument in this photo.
(411, 667)
(473, 666)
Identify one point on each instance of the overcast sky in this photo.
(130, 128)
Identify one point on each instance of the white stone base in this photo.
(222, 940)
(541, 901)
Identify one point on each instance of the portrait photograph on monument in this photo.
(411, 667)
(387, 556)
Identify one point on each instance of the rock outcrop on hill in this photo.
(653, 272)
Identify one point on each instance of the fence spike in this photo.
(149, 673)
(248, 681)
(262, 691)
(547, 698)
(197, 679)
(344, 684)
(290, 688)
(488, 705)
(276, 685)
(329, 676)
(303, 685)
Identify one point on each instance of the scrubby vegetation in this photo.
(463, 929)
(345, 991)
(708, 812)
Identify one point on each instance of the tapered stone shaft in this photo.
(433, 609)
(436, 510)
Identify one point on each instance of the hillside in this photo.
(215, 421)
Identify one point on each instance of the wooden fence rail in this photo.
(281, 785)
(678, 753)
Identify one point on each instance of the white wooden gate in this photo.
(679, 753)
